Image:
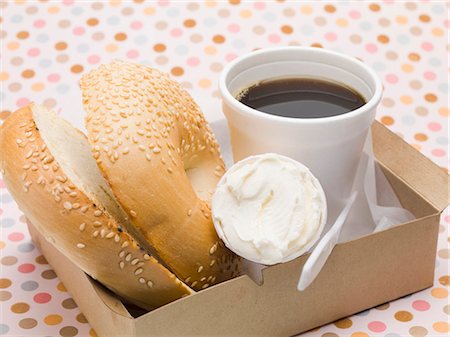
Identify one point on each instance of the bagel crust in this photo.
(157, 152)
(81, 229)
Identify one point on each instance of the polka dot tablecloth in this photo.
(47, 45)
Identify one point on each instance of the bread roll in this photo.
(160, 158)
(48, 168)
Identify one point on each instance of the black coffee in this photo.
(301, 97)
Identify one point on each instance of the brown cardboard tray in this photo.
(359, 274)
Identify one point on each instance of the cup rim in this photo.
(370, 105)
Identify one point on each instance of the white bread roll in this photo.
(48, 168)
(146, 131)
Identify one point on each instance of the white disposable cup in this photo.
(330, 146)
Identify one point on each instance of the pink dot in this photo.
(78, 30)
(39, 23)
(176, 32)
(68, 2)
(433, 126)
(429, 75)
(427, 46)
(42, 298)
(230, 57)
(16, 236)
(233, 28)
(2, 184)
(53, 78)
(136, 25)
(132, 54)
(1, 211)
(391, 78)
(33, 52)
(26, 268)
(447, 218)
(354, 14)
(330, 36)
(259, 5)
(438, 152)
(22, 102)
(421, 305)
(377, 326)
(388, 2)
(163, 3)
(371, 48)
(447, 23)
(274, 38)
(93, 59)
(193, 61)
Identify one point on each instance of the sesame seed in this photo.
(194, 284)
(102, 233)
(67, 205)
(73, 194)
(156, 150)
(122, 254)
(142, 280)
(97, 213)
(138, 271)
(187, 280)
(212, 263)
(84, 209)
(213, 249)
(82, 226)
(169, 170)
(133, 213)
(125, 244)
(125, 150)
(149, 158)
(95, 234)
(199, 270)
(149, 284)
(117, 238)
(98, 224)
(189, 213)
(121, 264)
(203, 279)
(146, 257)
(128, 257)
(134, 261)
(205, 286)
(81, 245)
(110, 235)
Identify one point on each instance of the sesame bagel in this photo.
(48, 168)
(145, 130)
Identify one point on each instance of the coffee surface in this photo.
(301, 97)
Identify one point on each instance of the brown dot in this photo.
(344, 323)
(97, 36)
(20, 307)
(41, 259)
(223, 13)
(69, 303)
(81, 318)
(259, 30)
(196, 38)
(161, 60)
(382, 307)
(411, 6)
(286, 29)
(23, 35)
(68, 331)
(374, 7)
(9, 260)
(289, 12)
(48, 274)
(415, 30)
(189, 23)
(421, 137)
(418, 331)
(64, 24)
(415, 84)
(177, 71)
(330, 8)
(320, 21)
(384, 22)
(127, 11)
(5, 283)
(234, 2)
(218, 39)
(27, 323)
(92, 22)
(97, 5)
(76, 68)
(63, 58)
(159, 47)
(421, 111)
(16, 61)
(356, 39)
(414, 57)
(430, 97)
(424, 18)
(387, 120)
(391, 55)
(329, 334)
(5, 295)
(60, 45)
(216, 67)
(316, 45)
(383, 39)
(192, 6)
(50, 102)
(3, 115)
(447, 309)
(120, 36)
(31, 10)
(138, 1)
(28, 73)
(444, 280)
(403, 316)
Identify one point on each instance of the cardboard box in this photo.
(359, 274)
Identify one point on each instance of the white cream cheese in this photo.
(269, 209)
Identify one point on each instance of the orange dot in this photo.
(60, 45)
(417, 147)
(306, 9)
(115, 3)
(76, 68)
(405, 99)
(92, 333)
(401, 19)
(286, 29)
(4, 76)
(424, 18)
(407, 68)
(92, 22)
(210, 3)
(444, 280)
(120, 36)
(111, 48)
(53, 319)
(38, 86)
(5, 283)
(53, 9)
(28, 73)
(189, 23)
(149, 10)
(245, 13)
(437, 31)
(383, 38)
(421, 137)
(22, 35)
(234, 2)
(204, 83)
(218, 39)
(439, 292)
(316, 45)
(13, 45)
(414, 57)
(177, 71)
(374, 7)
(159, 47)
(20, 307)
(359, 334)
(445, 112)
(403, 316)
(3, 115)
(441, 327)
(430, 97)
(330, 8)
(210, 50)
(61, 287)
(344, 323)
(341, 22)
(387, 120)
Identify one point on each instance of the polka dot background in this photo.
(47, 45)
